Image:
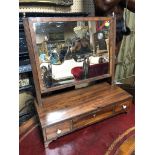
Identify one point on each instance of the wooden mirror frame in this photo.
(33, 52)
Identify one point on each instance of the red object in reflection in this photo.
(94, 70)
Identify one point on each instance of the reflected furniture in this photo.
(71, 53)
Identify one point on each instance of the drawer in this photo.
(123, 106)
(93, 117)
(57, 130)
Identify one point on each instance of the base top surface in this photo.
(67, 105)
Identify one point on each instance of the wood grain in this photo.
(32, 60)
(46, 90)
(32, 48)
(93, 117)
(68, 111)
(71, 104)
(49, 19)
(112, 49)
(119, 107)
(52, 132)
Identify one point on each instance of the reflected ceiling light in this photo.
(58, 25)
(55, 115)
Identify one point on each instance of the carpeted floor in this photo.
(93, 140)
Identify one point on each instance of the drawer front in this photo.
(123, 106)
(93, 117)
(57, 130)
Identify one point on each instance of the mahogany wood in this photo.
(31, 40)
(112, 49)
(72, 110)
(32, 60)
(119, 107)
(93, 117)
(49, 19)
(58, 129)
(68, 111)
(77, 83)
(74, 103)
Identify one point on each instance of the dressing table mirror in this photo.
(73, 52)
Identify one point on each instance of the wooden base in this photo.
(69, 111)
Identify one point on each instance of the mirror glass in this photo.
(70, 51)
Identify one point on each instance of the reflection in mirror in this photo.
(71, 51)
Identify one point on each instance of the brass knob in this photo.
(124, 107)
(59, 131)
